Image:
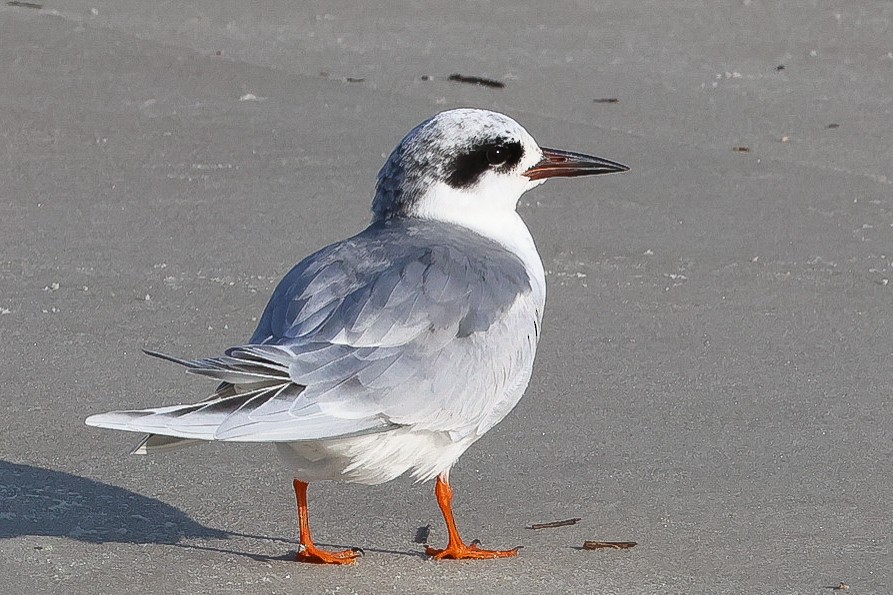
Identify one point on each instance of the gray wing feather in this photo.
(225, 419)
(387, 328)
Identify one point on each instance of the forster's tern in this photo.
(393, 351)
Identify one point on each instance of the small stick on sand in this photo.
(614, 545)
(554, 524)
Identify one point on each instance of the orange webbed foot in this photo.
(313, 555)
(456, 548)
(307, 550)
(469, 552)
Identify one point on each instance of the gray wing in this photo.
(408, 323)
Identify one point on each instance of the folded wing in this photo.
(408, 323)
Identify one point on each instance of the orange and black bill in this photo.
(564, 164)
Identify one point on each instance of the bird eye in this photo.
(497, 155)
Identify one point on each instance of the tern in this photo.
(394, 350)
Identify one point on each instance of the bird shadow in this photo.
(42, 502)
(37, 501)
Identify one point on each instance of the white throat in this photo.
(493, 216)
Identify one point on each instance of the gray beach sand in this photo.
(714, 380)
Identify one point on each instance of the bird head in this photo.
(471, 163)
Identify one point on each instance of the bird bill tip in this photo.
(565, 164)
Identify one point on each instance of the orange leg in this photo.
(308, 552)
(456, 548)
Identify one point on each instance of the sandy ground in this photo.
(714, 381)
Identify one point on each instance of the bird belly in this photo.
(374, 458)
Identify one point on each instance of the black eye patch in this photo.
(466, 169)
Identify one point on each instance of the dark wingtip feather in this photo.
(169, 358)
